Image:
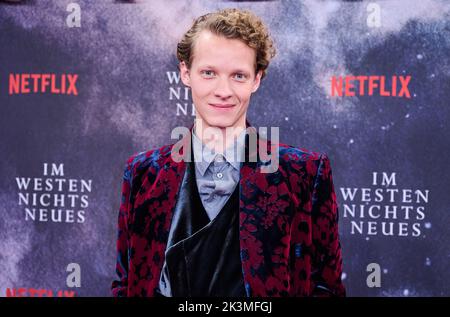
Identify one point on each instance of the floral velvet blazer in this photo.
(288, 222)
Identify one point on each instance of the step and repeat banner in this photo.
(85, 84)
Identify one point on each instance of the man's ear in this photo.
(257, 81)
(185, 74)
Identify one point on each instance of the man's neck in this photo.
(218, 138)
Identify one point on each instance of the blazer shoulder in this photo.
(142, 161)
(297, 159)
(290, 153)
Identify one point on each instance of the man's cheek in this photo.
(203, 91)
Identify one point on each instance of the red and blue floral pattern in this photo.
(288, 224)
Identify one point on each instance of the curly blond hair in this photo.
(232, 24)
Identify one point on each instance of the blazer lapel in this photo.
(154, 207)
(263, 223)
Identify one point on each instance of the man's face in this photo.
(222, 78)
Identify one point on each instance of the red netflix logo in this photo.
(42, 83)
(33, 292)
(370, 85)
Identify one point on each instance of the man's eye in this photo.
(240, 76)
(208, 73)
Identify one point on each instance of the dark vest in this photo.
(203, 256)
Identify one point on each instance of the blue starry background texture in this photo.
(124, 53)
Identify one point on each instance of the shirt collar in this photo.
(234, 154)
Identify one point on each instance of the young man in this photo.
(215, 223)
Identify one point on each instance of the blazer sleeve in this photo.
(327, 259)
(119, 287)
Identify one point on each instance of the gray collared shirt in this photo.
(217, 174)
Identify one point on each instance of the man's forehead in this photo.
(207, 38)
(212, 50)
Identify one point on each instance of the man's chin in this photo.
(221, 124)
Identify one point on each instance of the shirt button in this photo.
(219, 175)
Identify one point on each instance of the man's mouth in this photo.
(221, 106)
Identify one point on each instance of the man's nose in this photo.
(223, 89)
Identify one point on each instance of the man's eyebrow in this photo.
(206, 66)
(241, 71)
(237, 70)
